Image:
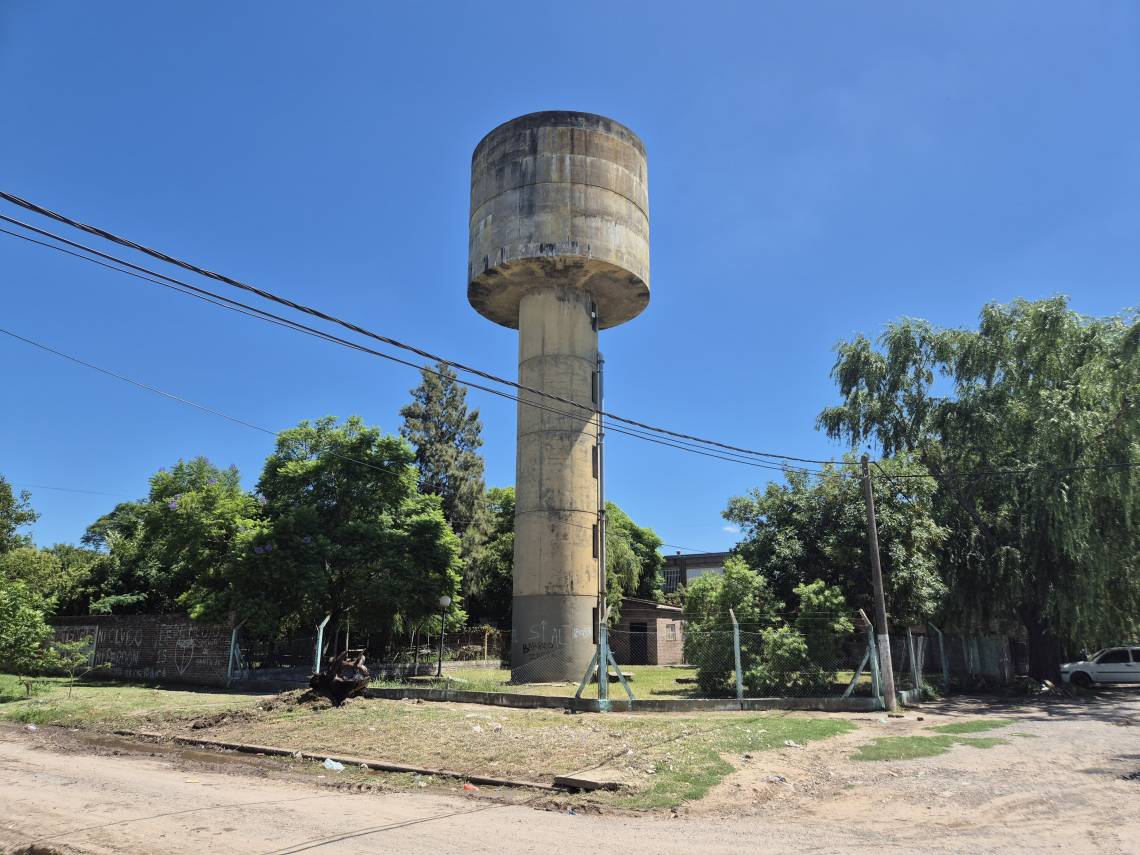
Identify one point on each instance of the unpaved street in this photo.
(1059, 783)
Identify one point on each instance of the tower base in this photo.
(552, 639)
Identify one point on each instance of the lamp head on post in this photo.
(444, 602)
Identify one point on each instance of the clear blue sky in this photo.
(816, 169)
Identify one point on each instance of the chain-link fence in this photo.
(925, 657)
(683, 662)
(680, 661)
(745, 662)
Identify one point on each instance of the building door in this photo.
(638, 644)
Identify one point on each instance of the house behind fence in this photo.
(648, 633)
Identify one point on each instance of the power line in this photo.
(69, 490)
(212, 411)
(309, 310)
(222, 301)
(177, 398)
(636, 428)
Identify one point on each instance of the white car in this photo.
(1111, 665)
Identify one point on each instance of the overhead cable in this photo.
(222, 301)
(318, 313)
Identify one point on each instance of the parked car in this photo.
(1111, 665)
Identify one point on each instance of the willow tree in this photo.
(1030, 426)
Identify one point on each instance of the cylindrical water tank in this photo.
(559, 198)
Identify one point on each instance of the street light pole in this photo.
(444, 602)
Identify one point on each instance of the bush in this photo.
(823, 621)
(784, 666)
(710, 650)
(23, 629)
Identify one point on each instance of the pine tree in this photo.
(446, 438)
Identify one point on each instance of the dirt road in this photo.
(1058, 784)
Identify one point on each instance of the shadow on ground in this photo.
(1114, 704)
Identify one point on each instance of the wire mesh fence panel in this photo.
(805, 663)
(908, 657)
(770, 661)
(279, 661)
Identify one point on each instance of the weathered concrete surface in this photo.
(559, 248)
(556, 493)
(655, 705)
(559, 198)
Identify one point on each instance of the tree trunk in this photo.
(1043, 646)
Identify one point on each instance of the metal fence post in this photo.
(915, 673)
(233, 649)
(320, 644)
(736, 654)
(603, 660)
(876, 683)
(942, 659)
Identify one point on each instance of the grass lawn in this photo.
(110, 704)
(668, 759)
(649, 682)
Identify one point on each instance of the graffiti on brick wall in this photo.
(154, 648)
(186, 646)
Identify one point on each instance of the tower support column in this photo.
(556, 511)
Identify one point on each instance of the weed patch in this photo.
(975, 726)
(915, 747)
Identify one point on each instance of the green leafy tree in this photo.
(345, 528)
(633, 561)
(782, 665)
(177, 548)
(708, 630)
(646, 576)
(809, 529)
(634, 564)
(73, 583)
(488, 582)
(823, 618)
(59, 575)
(1035, 387)
(73, 658)
(24, 630)
(15, 513)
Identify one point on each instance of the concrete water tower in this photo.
(559, 249)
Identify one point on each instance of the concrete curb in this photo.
(377, 765)
(519, 701)
(910, 697)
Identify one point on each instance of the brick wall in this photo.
(153, 648)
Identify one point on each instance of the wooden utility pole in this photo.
(888, 674)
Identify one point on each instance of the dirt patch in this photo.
(218, 719)
(1064, 786)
